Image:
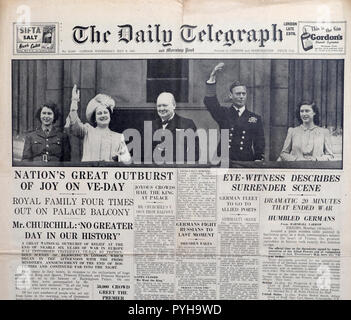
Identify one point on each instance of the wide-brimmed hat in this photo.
(98, 100)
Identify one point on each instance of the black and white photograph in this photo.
(283, 113)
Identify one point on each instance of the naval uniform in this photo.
(173, 125)
(47, 146)
(246, 136)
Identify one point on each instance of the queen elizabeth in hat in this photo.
(99, 142)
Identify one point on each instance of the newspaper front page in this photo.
(188, 150)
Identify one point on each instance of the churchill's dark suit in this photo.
(246, 136)
(177, 123)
